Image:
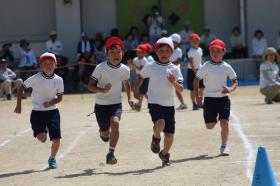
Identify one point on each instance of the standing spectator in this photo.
(99, 49)
(27, 59)
(155, 22)
(130, 43)
(206, 38)
(85, 49)
(259, 44)
(185, 35)
(8, 80)
(135, 32)
(236, 40)
(7, 54)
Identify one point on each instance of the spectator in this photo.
(155, 22)
(206, 38)
(236, 40)
(8, 80)
(269, 76)
(7, 54)
(99, 49)
(130, 43)
(185, 35)
(144, 38)
(85, 49)
(27, 61)
(135, 32)
(259, 44)
(115, 32)
(163, 33)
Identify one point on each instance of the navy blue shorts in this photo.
(143, 89)
(190, 79)
(104, 113)
(214, 107)
(158, 112)
(41, 120)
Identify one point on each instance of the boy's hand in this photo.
(46, 104)
(171, 78)
(226, 90)
(17, 109)
(131, 103)
(107, 88)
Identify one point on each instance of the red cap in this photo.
(149, 47)
(114, 41)
(141, 48)
(217, 43)
(194, 36)
(47, 56)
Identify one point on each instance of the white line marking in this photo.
(5, 142)
(248, 146)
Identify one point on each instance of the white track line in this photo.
(246, 142)
(69, 148)
(5, 142)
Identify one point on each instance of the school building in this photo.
(34, 19)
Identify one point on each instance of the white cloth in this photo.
(269, 74)
(105, 73)
(196, 55)
(55, 48)
(155, 25)
(150, 59)
(259, 46)
(44, 89)
(27, 58)
(177, 54)
(160, 90)
(85, 46)
(215, 77)
(139, 62)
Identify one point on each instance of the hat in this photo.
(165, 41)
(114, 41)
(3, 60)
(47, 56)
(149, 48)
(6, 43)
(194, 36)
(271, 50)
(176, 38)
(217, 43)
(141, 48)
(53, 32)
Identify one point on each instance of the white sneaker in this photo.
(182, 107)
(224, 150)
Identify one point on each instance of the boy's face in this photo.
(164, 53)
(115, 54)
(217, 54)
(48, 66)
(195, 43)
(271, 57)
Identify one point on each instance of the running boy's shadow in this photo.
(200, 157)
(6, 175)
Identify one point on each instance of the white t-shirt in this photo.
(140, 62)
(259, 46)
(105, 73)
(177, 54)
(150, 59)
(160, 90)
(269, 74)
(44, 89)
(215, 77)
(55, 48)
(196, 55)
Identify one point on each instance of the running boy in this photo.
(194, 63)
(216, 102)
(106, 81)
(47, 91)
(165, 78)
(176, 60)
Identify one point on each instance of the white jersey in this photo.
(139, 62)
(177, 54)
(105, 73)
(44, 89)
(150, 59)
(160, 90)
(215, 77)
(196, 55)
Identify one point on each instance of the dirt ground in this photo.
(194, 155)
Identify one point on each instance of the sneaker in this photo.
(164, 158)
(155, 145)
(182, 106)
(195, 107)
(52, 163)
(111, 159)
(224, 150)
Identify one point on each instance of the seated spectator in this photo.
(27, 60)
(269, 76)
(55, 46)
(129, 42)
(259, 44)
(236, 40)
(8, 80)
(99, 49)
(144, 38)
(7, 54)
(278, 43)
(206, 38)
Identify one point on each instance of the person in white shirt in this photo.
(176, 59)
(185, 35)
(106, 81)
(216, 102)
(194, 63)
(269, 76)
(155, 22)
(165, 78)
(259, 44)
(47, 91)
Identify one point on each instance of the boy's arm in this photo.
(53, 101)
(177, 62)
(228, 90)
(172, 80)
(196, 87)
(92, 86)
(19, 98)
(192, 65)
(127, 88)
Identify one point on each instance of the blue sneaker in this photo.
(52, 163)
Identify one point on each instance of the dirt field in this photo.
(195, 160)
